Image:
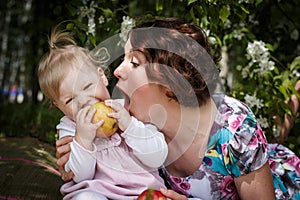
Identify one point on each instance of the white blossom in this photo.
(263, 122)
(89, 12)
(238, 34)
(246, 71)
(253, 101)
(127, 24)
(246, 1)
(296, 73)
(294, 34)
(227, 24)
(257, 51)
(259, 55)
(264, 67)
(101, 19)
(92, 26)
(85, 11)
(252, 20)
(212, 40)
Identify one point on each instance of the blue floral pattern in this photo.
(237, 146)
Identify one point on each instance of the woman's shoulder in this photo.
(234, 121)
(229, 109)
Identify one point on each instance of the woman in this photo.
(217, 149)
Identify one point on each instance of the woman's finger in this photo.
(62, 146)
(172, 194)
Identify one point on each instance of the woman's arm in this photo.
(256, 185)
(63, 150)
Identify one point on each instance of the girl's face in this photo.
(81, 88)
(139, 94)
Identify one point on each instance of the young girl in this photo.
(117, 167)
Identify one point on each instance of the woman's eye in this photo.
(134, 63)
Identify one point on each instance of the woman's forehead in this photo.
(128, 47)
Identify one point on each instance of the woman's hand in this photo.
(170, 194)
(62, 154)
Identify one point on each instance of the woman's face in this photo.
(140, 95)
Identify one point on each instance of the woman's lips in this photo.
(126, 101)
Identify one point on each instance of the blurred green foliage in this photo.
(23, 120)
(229, 23)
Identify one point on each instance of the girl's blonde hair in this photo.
(63, 55)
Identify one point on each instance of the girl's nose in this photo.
(82, 101)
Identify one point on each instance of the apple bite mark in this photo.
(110, 126)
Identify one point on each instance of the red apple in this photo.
(110, 125)
(151, 194)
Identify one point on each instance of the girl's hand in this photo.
(170, 194)
(62, 154)
(85, 129)
(121, 115)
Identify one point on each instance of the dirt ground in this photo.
(27, 170)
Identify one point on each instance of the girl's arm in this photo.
(147, 142)
(82, 162)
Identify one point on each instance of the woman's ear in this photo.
(103, 76)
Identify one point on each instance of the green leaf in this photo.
(71, 9)
(70, 26)
(258, 2)
(224, 13)
(270, 47)
(159, 5)
(92, 40)
(107, 12)
(295, 64)
(245, 10)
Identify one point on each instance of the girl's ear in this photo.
(55, 104)
(103, 76)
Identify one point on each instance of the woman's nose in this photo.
(120, 72)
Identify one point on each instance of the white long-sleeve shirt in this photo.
(124, 164)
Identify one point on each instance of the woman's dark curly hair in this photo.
(179, 58)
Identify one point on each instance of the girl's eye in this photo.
(87, 86)
(134, 63)
(68, 101)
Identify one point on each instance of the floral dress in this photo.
(237, 146)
